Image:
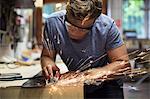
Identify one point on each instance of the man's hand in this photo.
(51, 71)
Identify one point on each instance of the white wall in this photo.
(115, 11)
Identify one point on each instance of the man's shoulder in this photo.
(57, 14)
(104, 19)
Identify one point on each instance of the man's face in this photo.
(72, 27)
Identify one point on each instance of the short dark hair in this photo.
(84, 8)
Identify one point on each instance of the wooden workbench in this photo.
(65, 92)
(68, 92)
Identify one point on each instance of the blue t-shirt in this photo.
(88, 52)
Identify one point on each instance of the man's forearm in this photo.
(118, 57)
(115, 66)
(45, 61)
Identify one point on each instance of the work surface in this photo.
(61, 92)
(25, 71)
(14, 90)
(69, 92)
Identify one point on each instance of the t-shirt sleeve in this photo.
(114, 39)
(48, 40)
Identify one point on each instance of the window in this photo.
(136, 17)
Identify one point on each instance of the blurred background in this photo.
(22, 21)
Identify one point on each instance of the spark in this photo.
(84, 62)
(70, 62)
(55, 89)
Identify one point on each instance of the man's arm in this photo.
(119, 59)
(119, 53)
(116, 50)
(48, 63)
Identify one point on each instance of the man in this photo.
(81, 35)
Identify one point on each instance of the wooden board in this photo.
(68, 92)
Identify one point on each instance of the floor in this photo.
(142, 92)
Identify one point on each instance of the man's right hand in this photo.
(51, 71)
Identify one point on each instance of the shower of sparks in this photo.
(91, 76)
